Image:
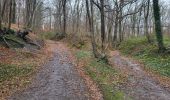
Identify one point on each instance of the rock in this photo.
(20, 39)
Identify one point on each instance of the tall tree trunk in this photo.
(102, 25)
(64, 16)
(30, 10)
(13, 11)
(115, 30)
(78, 16)
(50, 11)
(133, 21)
(120, 30)
(19, 11)
(0, 17)
(91, 27)
(120, 21)
(110, 30)
(146, 15)
(158, 29)
(32, 18)
(139, 21)
(10, 14)
(3, 11)
(27, 15)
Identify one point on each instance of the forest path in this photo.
(57, 80)
(139, 85)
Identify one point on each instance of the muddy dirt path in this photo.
(57, 80)
(139, 86)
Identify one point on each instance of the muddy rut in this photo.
(139, 85)
(57, 80)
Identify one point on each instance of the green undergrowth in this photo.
(47, 35)
(8, 71)
(103, 74)
(148, 54)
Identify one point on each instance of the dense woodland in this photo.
(137, 28)
(107, 22)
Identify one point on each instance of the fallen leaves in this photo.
(22, 59)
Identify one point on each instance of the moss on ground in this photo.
(103, 74)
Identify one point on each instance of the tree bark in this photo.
(0, 17)
(158, 29)
(91, 27)
(2, 12)
(13, 11)
(102, 24)
(146, 15)
(120, 21)
(115, 30)
(10, 14)
(64, 16)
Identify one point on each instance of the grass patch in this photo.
(147, 53)
(83, 54)
(104, 75)
(10, 71)
(47, 35)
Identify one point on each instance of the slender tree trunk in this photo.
(102, 25)
(120, 21)
(91, 27)
(3, 11)
(30, 10)
(120, 30)
(64, 16)
(133, 24)
(146, 15)
(146, 30)
(78, 16)
(110, 30)
(0, 17)
(10, 14)
(115, 30)
(27, 15)
(139, 21)
(13, 11)
(19, 11)
(50, 19)
(158, 29)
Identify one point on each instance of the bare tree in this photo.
(91, 26)
(158, 25)
(146, 15)
(13, 11)
(10, 14)
(64, 2)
